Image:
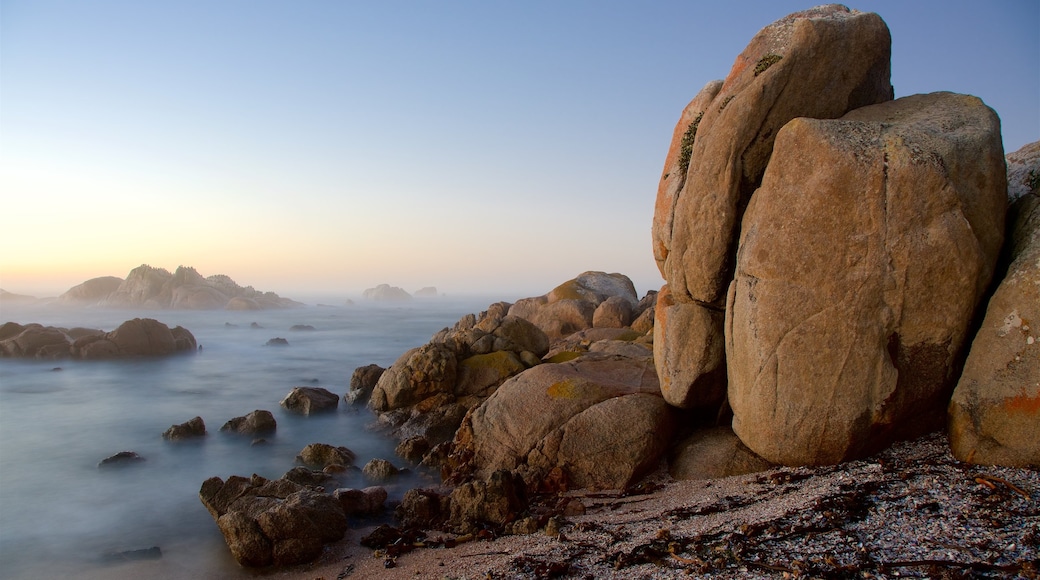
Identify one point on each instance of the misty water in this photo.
(58, 419)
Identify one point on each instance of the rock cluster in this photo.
(827, 250)
(137, 337)
(186, 289)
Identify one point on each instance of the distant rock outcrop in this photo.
(12, 298)
(92, 291)
(427, 291)
(386, 292)
(184, 289)
(137, 337)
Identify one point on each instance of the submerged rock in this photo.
(120, 459)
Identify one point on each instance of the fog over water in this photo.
(59, 511)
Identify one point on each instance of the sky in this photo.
(330, 146)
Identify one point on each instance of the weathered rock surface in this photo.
(322, 455)
(157, 288)
(418, 374)
(361, 502)
(379, 470)
(549, 415)
(190, 429)
(995, 409)
(571, 306)
(713, 453)
(259, 421)
(822, 62)
(310, 400)
(844, 328)
(692, 372)
(386, 292)
(272, 522)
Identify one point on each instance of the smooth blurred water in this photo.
(58, 419)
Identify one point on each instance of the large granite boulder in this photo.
(143, 336)
(994, 416)
(34, 341)
(578, 416)
(862, 259)
(822, 63)
(272, 522)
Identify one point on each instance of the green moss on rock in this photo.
(765, 62)
(686, 145)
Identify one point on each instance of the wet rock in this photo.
(321, 455)
(306, 476)
(379, 470)
(190, 429)
(361, 502)
(495, 502)
(259, 421)
(120, 459)
(277, 341)
(153, 553)
(413, 449)
(362, 382)
(310, 400)
(272, 523)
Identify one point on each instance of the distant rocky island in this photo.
(185, 289)
(388, 293)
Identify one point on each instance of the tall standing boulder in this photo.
(822, 63)
(862, 259)
(994, 416)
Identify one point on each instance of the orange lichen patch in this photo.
(568, 389)
(563, 356)
(1023, 404)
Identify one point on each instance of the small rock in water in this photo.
(153, 553)
(56, 369)
(277, 341)
(297, 327)
(121, 458)
(196, 427)
(255, 325)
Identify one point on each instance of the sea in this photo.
(59, 418)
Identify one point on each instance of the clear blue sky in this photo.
(332, 146)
